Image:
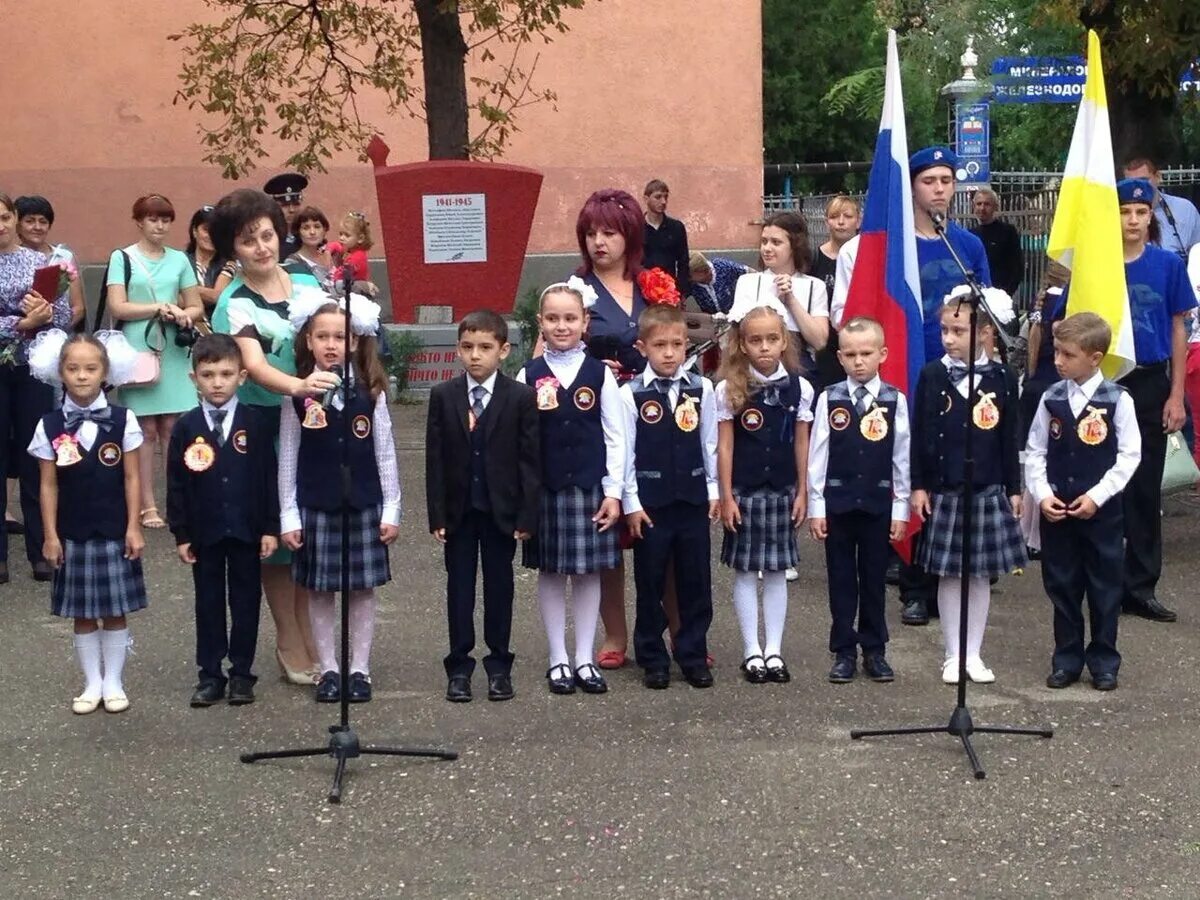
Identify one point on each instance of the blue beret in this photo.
(930, 158)
(1135, 190)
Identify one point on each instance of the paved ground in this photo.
(738, 791)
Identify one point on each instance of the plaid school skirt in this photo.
(997, 545)
(96, 581)
(317, 565)
(568, 542)
(766, 539)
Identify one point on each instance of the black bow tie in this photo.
(77, 417)
(664, 385)
(772, 391)
(958, 372)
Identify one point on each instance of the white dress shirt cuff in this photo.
(900, 510)
(289, 520)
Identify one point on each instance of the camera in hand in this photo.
(186, 336)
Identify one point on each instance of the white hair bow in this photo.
(364, 312)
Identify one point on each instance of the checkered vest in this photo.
(859, 472)
(1080, 449)
(669, 461)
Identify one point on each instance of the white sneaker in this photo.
(950, 670)
(791, 574)
(978, 672)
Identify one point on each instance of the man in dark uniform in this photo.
(288, 191)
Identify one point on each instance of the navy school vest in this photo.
(985, 406)
(479, 483)
(224, 489)
(573, 452)
(91, 492)
(859, 472)
(318, 485)
(669, 455)
(764, 441)
(1080, 449)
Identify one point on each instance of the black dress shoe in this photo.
(1150, 609)
(754, 672)
(14, 526)
(1061, 678)
(877, 668)
(842, 671)
(3, 573)
(1106, 681)
(560, 679)
(359, 690)
(915, 613)
(698, 676)
(779, 674)
(590, 680)
(42, 571)
(208, 692)
(329, 688)
(500, 687)
(657, 679)
(241, 690)
(458, 689)
(891, 575)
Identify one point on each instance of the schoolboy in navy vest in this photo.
(671, 495)
(1084, 446)
(223, 508)
(858, 496)
(482, 484)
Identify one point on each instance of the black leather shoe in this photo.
(657, 679)
(3, 573)
(329, 688)
(207, 693)
(779, 674)
(843, 670)
(13, 526)
(1150, 609)
(877, 668)
(915, 613)
(698, 676)
(1105, 682)
(458, 689)
(360, 688)
(891, 574)
(755, 673)
(500, 687)
(560, 679)
(590, 680)
(43, 572)
(1061, 678)
(241, 690)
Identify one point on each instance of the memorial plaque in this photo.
(455, 228)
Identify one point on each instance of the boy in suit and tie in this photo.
(482, 483)
(223, 508)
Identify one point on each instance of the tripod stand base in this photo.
(960, 726)
(344, 746)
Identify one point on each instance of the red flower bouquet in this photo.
(658, 287)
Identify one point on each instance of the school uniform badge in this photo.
(986, 414)
(687, 417)
(361, 426)
(239, 441)
(1055, 429)
(752, 420)
(109, 454)
(314, 415)
(547, 393)
(585, 398)
(66, 450)
(1092, 428)
(651, 412)
(874, 425)
(839, 418)
(200, 456)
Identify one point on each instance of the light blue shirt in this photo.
(1185, 233)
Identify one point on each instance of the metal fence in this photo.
(1027, 200)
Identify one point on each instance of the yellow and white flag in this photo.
(1086, 234)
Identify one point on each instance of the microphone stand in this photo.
(344, 744)
(961, 725)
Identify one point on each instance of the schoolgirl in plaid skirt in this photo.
(583, 464)
(943, 404)
(87, 453)
(313, 436)
(763, 416)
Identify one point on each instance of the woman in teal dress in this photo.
(162, 289)
(246, 226)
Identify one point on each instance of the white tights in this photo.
(585, 606)
(321, 606)
(979, 596)
(745, 604)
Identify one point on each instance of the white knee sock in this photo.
(362, 630)
(948, 597)
(775, 602)
(979, 598)
(113, 645)
(552, 601)
(87, 650)
(320, 617)
(585, 606)
(745, 604)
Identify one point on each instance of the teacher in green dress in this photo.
(247, 226)
(162, 288)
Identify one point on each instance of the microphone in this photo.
(938, 219)
(327, 400)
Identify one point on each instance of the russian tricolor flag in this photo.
(886, 284)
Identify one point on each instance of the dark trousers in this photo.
(1142, 497)
(856, 556)
(679, 537)
(1084, 558)
(477, 537)
(238, 562)
(915, 582)
(23, 401)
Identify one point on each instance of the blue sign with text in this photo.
(973, 129)
(1055, 79)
